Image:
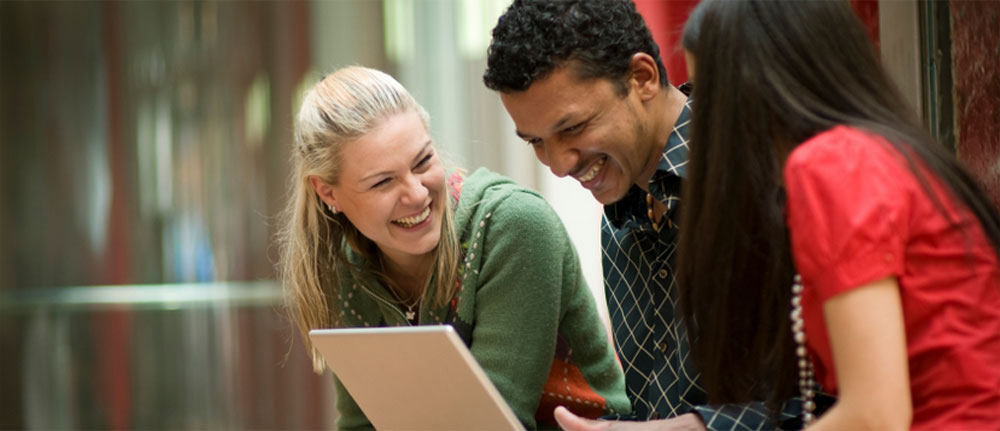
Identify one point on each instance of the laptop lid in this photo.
(414, 378)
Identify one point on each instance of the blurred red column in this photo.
(113, 327)
(666, 18)
(867, 10)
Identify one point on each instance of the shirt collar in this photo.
(671, 167)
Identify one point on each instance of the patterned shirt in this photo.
(641, 291)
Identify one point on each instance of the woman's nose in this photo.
(415, 192)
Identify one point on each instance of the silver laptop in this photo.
(414, 378)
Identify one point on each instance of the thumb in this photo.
(571, 422)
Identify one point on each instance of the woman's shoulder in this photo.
(839, 141)
(845, 150)
(487, 193)
(486, 180)
(484, 187)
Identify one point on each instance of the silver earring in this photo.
(332, 208)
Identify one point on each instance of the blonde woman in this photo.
(377, 232)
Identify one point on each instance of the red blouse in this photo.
(857, 214)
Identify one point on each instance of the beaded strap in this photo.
(807, 382)
(650, 213)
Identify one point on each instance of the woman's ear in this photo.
(645, 76)
(324, 191)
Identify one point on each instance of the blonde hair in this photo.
(341, 108)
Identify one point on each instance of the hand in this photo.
(570, 422)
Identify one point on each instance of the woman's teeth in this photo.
(592, 173)
(415, 220)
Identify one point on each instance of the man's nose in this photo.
(561, 159)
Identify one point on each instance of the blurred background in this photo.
(144, 156)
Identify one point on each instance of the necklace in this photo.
(807, 385)
(410, 313)
(650, 213)
(411, 305)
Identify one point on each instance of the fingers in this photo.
(571, 422)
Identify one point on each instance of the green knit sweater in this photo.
(522, 307)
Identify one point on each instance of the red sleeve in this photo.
(847, 210)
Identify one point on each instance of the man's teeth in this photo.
(415, 220)
(592, 173)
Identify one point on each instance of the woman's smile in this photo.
(414, 221)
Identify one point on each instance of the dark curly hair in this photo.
(534, 37)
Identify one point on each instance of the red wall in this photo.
(666, 18)
(666, 21)
(975, 35)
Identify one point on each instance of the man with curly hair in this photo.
(585, 86)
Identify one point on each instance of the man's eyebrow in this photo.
(562, 122)
(559, 125)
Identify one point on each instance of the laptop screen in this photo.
(414, 378)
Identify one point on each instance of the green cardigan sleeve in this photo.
(519, 297)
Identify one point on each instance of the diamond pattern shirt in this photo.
(641, 291)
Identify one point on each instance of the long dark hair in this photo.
(770, 75)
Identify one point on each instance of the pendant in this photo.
(410, 314)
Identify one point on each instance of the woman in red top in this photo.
(804, 160)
